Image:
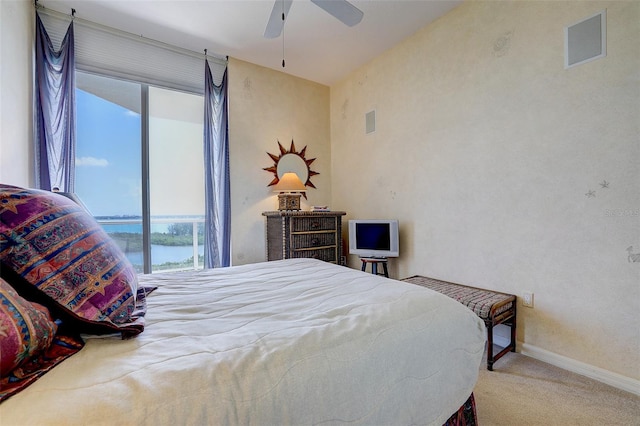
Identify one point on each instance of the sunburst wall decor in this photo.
(291, 152)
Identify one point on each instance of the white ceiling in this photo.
(317, 46)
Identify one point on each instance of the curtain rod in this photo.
(94, 25)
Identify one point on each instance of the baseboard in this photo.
(605, 376)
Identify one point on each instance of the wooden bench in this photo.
(491, 306)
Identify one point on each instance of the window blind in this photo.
(104, 50)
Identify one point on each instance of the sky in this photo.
(107, 157)
(108, 153)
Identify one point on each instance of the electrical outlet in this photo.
(527, 299)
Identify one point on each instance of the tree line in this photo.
(178, 234)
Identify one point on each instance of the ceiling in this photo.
(317, 46)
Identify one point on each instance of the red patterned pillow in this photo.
(25, 329)
(63, 256)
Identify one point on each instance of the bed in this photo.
(296, 341)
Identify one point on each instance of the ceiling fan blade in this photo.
(275, 24)
(341, 10)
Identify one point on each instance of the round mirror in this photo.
(290, 160)
(293, 163)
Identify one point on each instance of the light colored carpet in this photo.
(524, 391)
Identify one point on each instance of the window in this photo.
(116, 161)
(139, 162)
(176, 178)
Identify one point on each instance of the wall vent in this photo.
(586, 40)
(370, 121)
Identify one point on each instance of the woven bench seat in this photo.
(491, 306)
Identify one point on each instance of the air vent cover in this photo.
(586, 40)
(370, 121)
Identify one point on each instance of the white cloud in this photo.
(92, 162)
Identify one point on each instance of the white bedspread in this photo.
(289, 342)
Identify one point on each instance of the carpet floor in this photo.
(524, 391)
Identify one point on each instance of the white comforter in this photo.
(288, 342)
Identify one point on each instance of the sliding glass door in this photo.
(176, 179)
(139, 169)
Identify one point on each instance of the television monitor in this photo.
(375, 238)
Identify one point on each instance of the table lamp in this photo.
(290, 188)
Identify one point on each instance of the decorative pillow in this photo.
(63, 347)
(25, 329)
(31, 344)
(63, 256)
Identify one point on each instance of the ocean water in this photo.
(135, 228)
(129, 228)
(164, 254)
(133, 225)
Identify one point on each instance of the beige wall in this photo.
(265, 107)
(16, 47)
(485, 149)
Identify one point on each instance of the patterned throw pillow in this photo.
(62, 255)
(25, 329)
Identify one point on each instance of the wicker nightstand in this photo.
(294, 234)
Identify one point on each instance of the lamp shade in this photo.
(289, 182)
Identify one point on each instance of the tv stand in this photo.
(374, 265)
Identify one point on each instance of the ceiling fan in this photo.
(340, 9)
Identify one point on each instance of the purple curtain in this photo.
(217, 220)
(55, 113)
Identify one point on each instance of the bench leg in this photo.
(491, 356)
(513, 328)
(490, 346)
